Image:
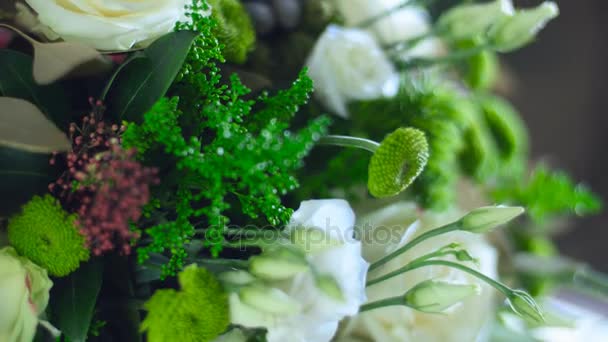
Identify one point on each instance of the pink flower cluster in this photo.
(103, 184)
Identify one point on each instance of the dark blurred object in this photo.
(561, 83)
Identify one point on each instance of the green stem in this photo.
(412, 266)
(432, 233)
(451, 58)
(348, 141)
(393, 301)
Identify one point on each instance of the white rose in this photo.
(400, 25)
(400, 223)
(347, 64)
(311, 314)
(24, 294)
(109, 24)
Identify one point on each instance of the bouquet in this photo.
(287, 170)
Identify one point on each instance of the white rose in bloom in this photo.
(297, 309)
(24, 294)
(108, 24)
(400, 25)
(347, 64)
(394, 226)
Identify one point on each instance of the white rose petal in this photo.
(348, 64)
(109, 24)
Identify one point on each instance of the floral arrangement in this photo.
(289, 170)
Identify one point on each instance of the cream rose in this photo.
(394, 226)
(108, 24)
(348, 64)
(24, 294)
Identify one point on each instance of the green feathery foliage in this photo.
(234, 29)
(197, 313)
(45, 233)
(549, 194)
(216, 152)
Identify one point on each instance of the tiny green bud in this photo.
(278, 265)
(484, 219)
(328, 285)
(524, 305)
(434, 296)
(397, 162)
(469, 20)
(269, 299)
(514, 32)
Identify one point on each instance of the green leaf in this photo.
(16, 81)
(22, 175)
(73, 300)
(24, 127)
(145, 80)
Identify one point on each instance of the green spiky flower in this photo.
(197, 313)
(401, 157)
(46, 234)
(234, 29)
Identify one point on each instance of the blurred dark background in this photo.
(560, 86)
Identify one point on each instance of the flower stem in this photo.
(392, 301)
(348, 141)
(415, 265)
(432, 233)
(451, 58)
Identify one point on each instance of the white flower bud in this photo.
(269, 300)
(518, 30)
(434, 296)
(484, 219)
(278, 265)
(524, 305)
(466, 21)
(238, 278)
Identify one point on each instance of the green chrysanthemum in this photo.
(234, 29)
(401, 157)
(44, 233)
(197, 313)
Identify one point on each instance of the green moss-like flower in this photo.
(401, 157)
(197, 313)
(234, 29)
(44, 233)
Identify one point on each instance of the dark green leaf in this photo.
(145, 80)
(22, 175)
(73, 300)
(16, 81)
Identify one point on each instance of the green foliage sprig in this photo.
(548, 194)
(217, 152)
